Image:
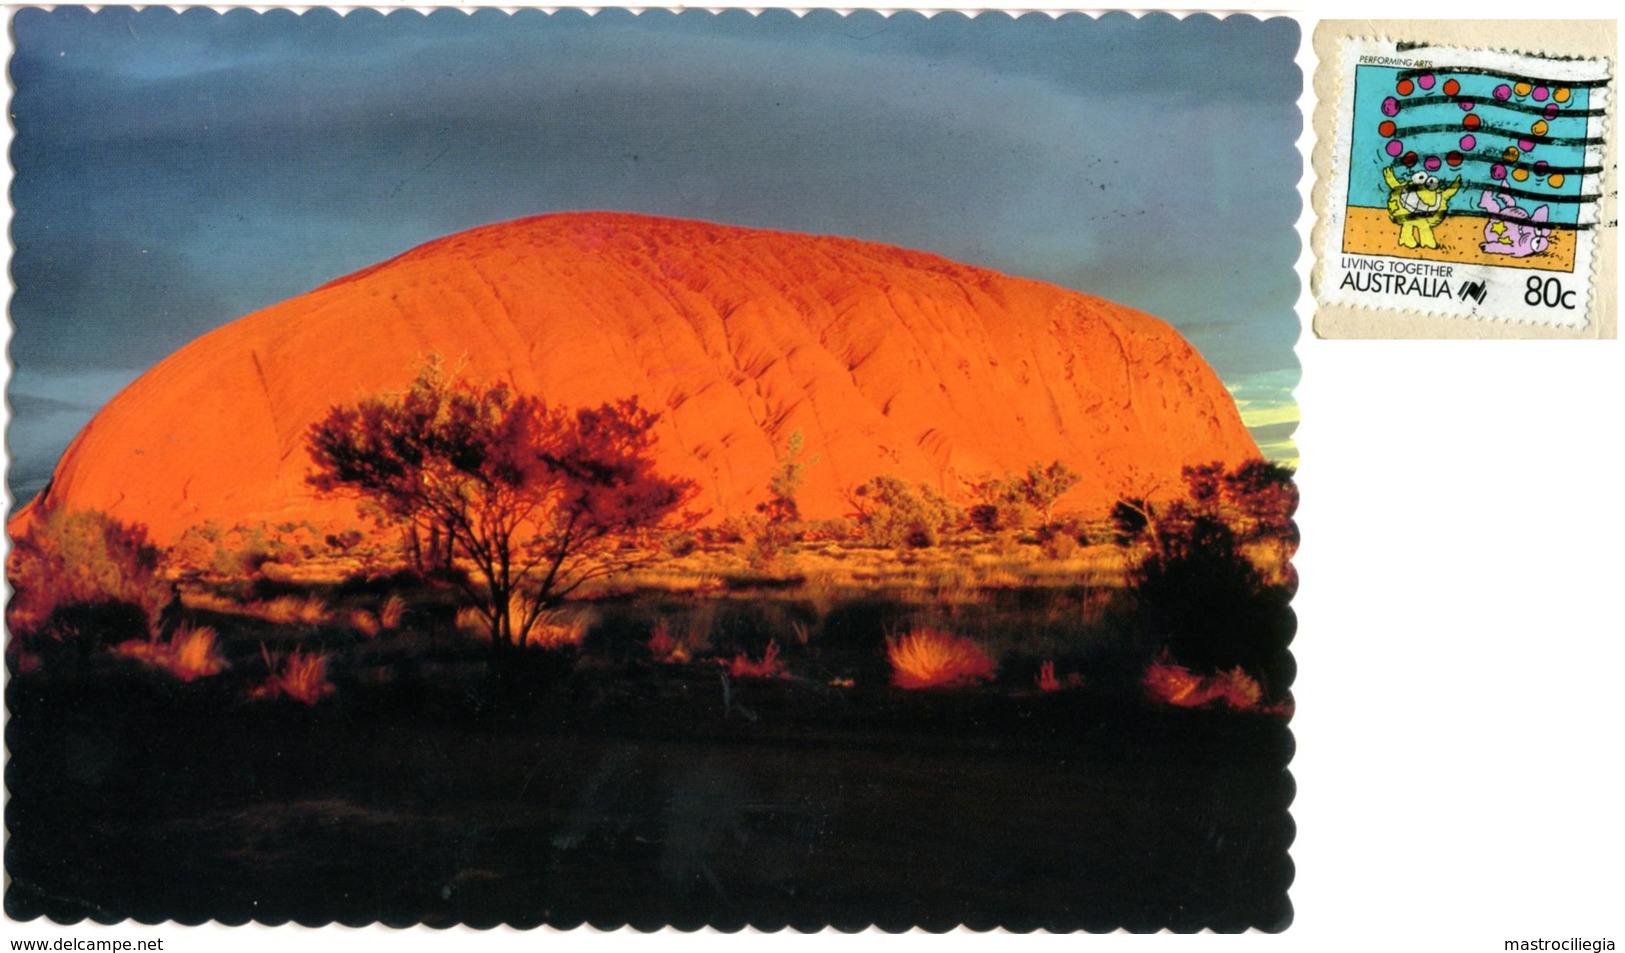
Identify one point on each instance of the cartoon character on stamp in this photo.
(1418, 206)
(1512, 229)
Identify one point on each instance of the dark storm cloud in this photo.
(177, 170)
(70, 276)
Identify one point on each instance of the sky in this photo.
(174, 171)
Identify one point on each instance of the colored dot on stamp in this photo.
(1471, 121)
(1387, 128)
(1520, 173)
(1395, 147)
(1526, 144)
(1539, 128)
(1425, 81)
(1551, 111)
(1431, 163)
(1466, 105)
(1498, 172)
(1561, 94)
(1541, 167)
(1451, 87)
(1409, 159)
(1469, 142)
(1390, 106)
(1453, 158)
(1510, 155)
(1555, 180)
(1541, 93)
(1405, 87)
(1523, 89)
(1503, 92)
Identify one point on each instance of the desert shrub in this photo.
(194, 550)
(680, 544)
(762, 542)
(85, 576)
(739, 528)
(895, 514)
(344, 542)
(764, 547)
(1130, 518)
(1203, 483)
(1084, 531)
(1264, 496)
(836, 530)
(243, 551)
(1201, 593)
(1013, 501)
(1006, 517)
(763, 555)
(1057, 544)
(188, 653)
(931, 658)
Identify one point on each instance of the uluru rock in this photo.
(887, 361)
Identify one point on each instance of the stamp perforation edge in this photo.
(1481, 46)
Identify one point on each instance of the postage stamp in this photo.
(667, 469)
(1465, 182)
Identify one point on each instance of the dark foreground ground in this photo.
(646, 799)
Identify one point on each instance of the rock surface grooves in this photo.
(887, 361)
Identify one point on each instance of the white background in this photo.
(1461, 678)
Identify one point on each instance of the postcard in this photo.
(662, 469)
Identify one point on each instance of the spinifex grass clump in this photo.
(365, 622)
(386, 619)
(188, 654)
(664, 648)
(768, 667)
(289, 610)
(556, 630)
(302, 676)
(930, 658)
(1177, 685)
(389, 617)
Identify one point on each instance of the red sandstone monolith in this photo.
(886, 360)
